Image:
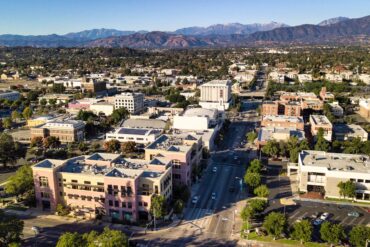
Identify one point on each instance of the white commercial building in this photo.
(321, 122)
(319, 171)
(206, 122)
(216, 94)
(102, 107)
(9, 95)
(344, 132)
(140, 136)
(133, 102)
(336, 109)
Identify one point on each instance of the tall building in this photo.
(102, 184)
(66, 131)
(133, 102)
(215, 94)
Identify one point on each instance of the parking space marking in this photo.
(352, 221)
(361, 221)
(344, 220)
(292, 216)
(336, 218)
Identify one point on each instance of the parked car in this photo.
(318, 222)
(195, 199)
(214, 169)
(213, 196)
(324, 216)
(354, 214)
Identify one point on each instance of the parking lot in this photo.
(280, 188)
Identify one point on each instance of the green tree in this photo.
(178, 206)
(119, 114)
(69, 239)
(302, 231)
(275, 224)
(332, 233)
(7, 123)
(43, 102)
(262, 191)
(128, 147)
(62, 210)
(158, 206)
(112, 146)
(347, 189)
(110, 238)
(21, 181)
(354, 146)
(253, 179)
(82, 146)
(255, 166)
(271, 148)
(358, 235)
(253, 207)
(27, 113)
(251, 136)
(36, 141)
(321, 143)
(11, 229)
(58, 88)
(15, 116)
(51, 142)
(7, 149)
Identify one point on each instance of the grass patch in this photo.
(254, 236)
(17, 207)
(346, 200)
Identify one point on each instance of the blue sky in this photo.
(63, 16)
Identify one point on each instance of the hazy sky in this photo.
(63, 16)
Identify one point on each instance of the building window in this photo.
(45, 195)
(110, 189)
(156, 189)
(140, 204)
(129, 204)
(43, 182)
(129, 190)
(145, 204)
(124, 204)
(176, 176)
(110, 203)
(116, 204)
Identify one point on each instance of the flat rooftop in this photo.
(217, 83)
(320, 120)
(349, 129)
(268, 133)
(173, 143)
(282, 118)
(336, 161)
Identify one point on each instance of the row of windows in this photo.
(123, 204)
(366, 181)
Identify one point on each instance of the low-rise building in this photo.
(322, 172)
(326, 96)
(282, 121)
(144, 123)
(102, 108)
(65, 130)
(336, 109)
(9, 95)
(133, 102)
(321, 122)
(60, 98)
(304, 78)
(364, 105)
(137, 135)
(266, 134)
(183, 149)
(36, 121)
(102, 184)
(344, 132)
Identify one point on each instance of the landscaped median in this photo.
(268, 240)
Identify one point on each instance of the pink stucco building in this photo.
(102, 183)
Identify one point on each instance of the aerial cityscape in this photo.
(185, 123)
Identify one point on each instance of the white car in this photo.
(324, 216)
(195, 199)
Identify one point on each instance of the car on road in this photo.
(213, 196)
(195, 199)
(324, 216)
(214, 169)
(354, 214)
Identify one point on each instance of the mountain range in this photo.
(339, 30)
